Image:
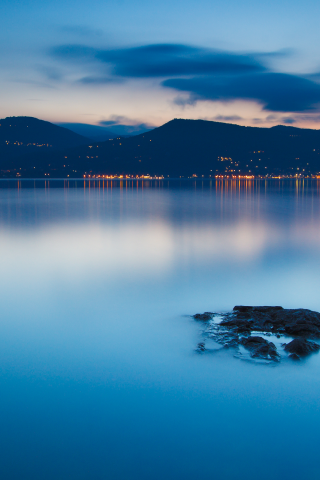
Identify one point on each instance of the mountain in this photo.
(184, 148)
(22, 138)
(94, 132)
(31, 132)
(100, 133)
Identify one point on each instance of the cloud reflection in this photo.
(138, 249)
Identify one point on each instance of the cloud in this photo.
(300, 118)
(35, 83)
(162, 60)
(125, 126)
(73, 52)
(100, 80)
(288, 120)
(275, 91)
(182, 101)
(165, 60)
(200, 73)
(227, 118)
(117, 120)
(50, 73)
(80, 30)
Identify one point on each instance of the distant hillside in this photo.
(94, 132)
(29, 131)
(186, 148)
(102, 133)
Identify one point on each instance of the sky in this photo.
(141, 63)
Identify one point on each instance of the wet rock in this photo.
(201, 347)
(302, 329)
(233, 343)
(236, 328)
(294, 357)
(301, 346)
(260, 348)
(224, 337)
(295, 322)
(243, 308)
(239, 325)
(203, 316)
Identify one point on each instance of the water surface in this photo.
(99, 374)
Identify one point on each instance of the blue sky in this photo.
(249, 62)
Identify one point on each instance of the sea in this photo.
(100, 375)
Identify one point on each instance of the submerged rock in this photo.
(301, 346)
(201, 347)
(260, 348)
(294, 357)
(203, 316)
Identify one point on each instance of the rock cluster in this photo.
(301, 346)
(235, 329)
(294, 322)
(260, 348)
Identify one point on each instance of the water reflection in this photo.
(86, 226)
(219, 184)
(99, 378)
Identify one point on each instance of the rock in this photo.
(243, 308)
(260, 348)
(253, 341)
(295, 322)
(302, 329)
(203, 316)
(233, 343)
(201, 347)
(239, 325)
(294, 357)
(301, 346)
(236, 327)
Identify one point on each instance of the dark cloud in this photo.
(73, 52)
(227, 118)
(276, 91)
(106, 130)
(130, 129)
(163, 60)
(125, 126)
(288, 120)
(257, 121)
(168, 60)
(313, 117)
(202, 74)
(117, 119)
(272, 118)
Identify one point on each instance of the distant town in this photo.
(32, 148)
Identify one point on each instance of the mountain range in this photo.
(179, 148)
(99, 133)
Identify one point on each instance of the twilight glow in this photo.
(141, 64)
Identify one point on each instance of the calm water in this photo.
(99, 374)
